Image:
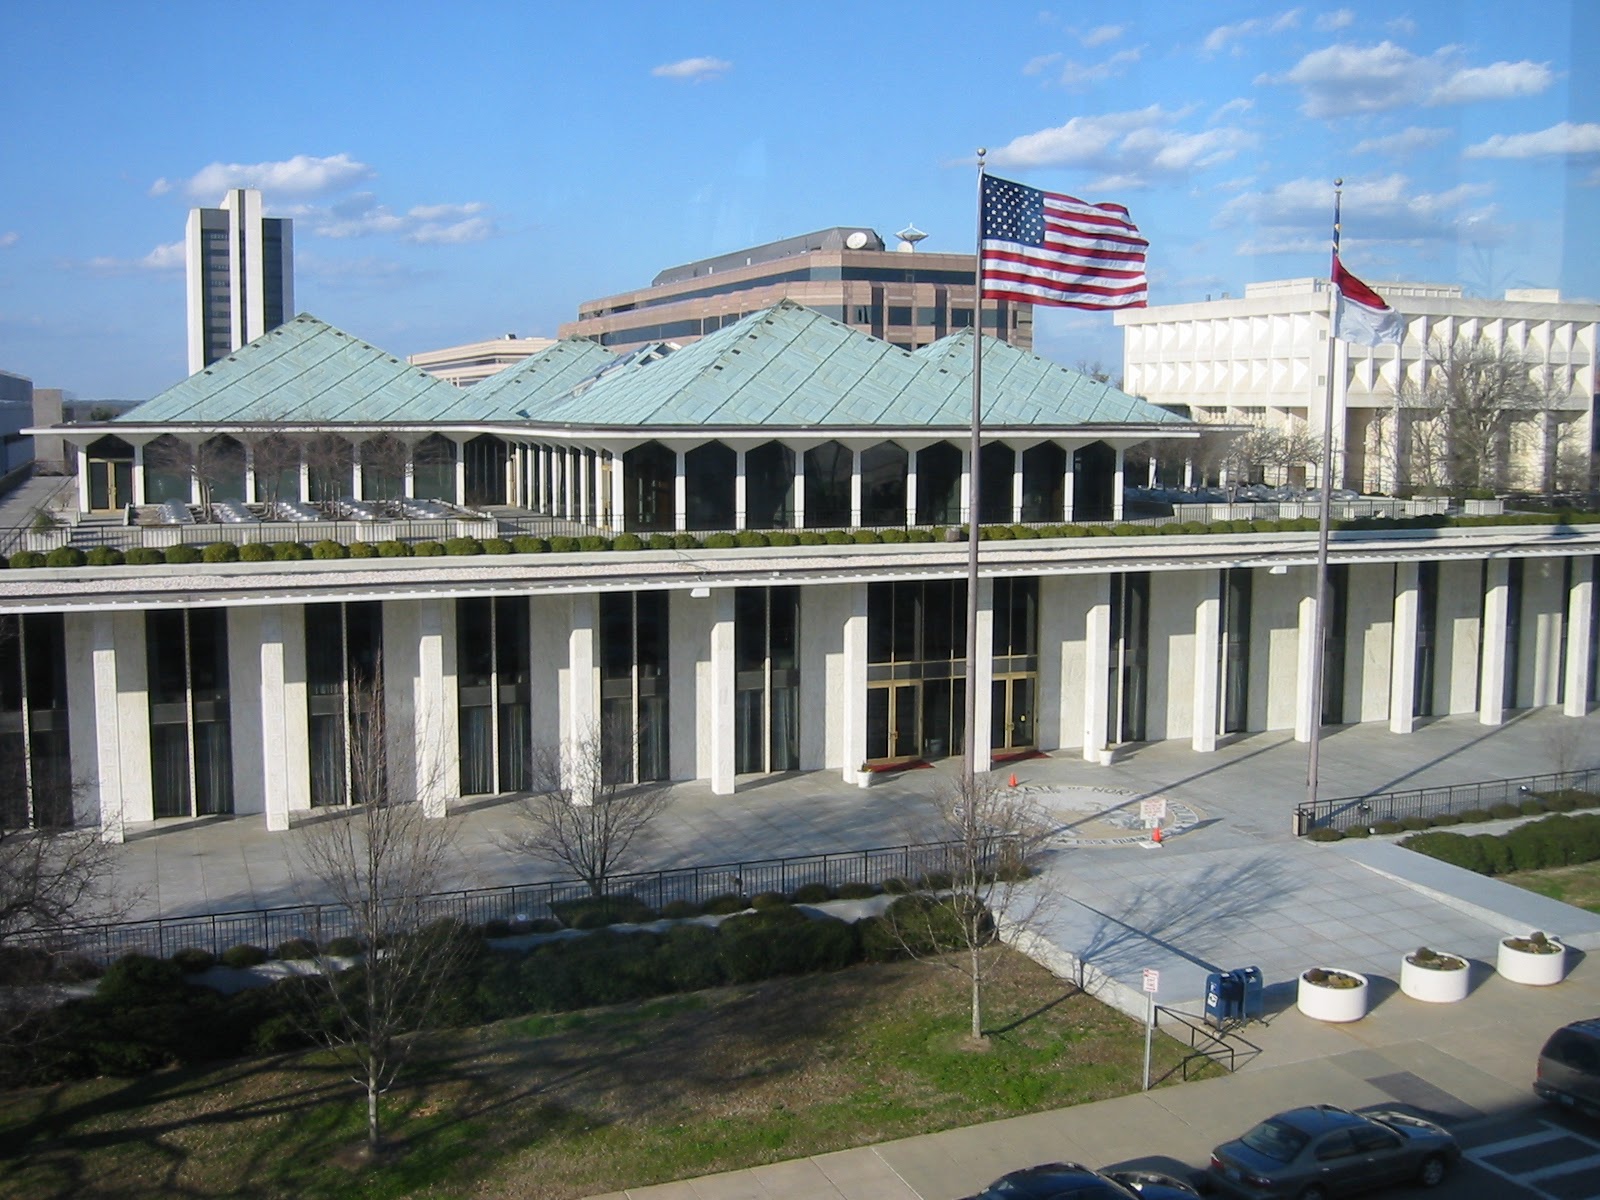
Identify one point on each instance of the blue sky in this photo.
(461, 170)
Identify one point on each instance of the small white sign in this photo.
(1153, 812)
(1152, 980)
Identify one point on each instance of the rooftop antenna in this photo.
(909, 237)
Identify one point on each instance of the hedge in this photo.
(1540, 802)
(1556, 841)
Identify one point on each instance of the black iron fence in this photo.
(1350, 811)
(516, 904)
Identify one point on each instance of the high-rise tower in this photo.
(240, 275)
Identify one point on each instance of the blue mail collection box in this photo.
(1224, 998)
(1252, 992)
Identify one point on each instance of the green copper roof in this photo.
(790, 366)
(303, 371)
(523, 388)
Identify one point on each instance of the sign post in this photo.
(1152, 980)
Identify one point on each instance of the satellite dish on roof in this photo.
(856, 240)
(909, 237)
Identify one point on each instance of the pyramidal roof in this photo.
(304, 371)
(525, 387)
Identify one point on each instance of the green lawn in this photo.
(582, 1103)
(1579, 885)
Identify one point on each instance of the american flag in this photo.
(1046, 248)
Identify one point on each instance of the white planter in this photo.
(1539, 970)
(1333, 1004)
(1434, 986)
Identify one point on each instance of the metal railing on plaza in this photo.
(1350, 811)
(516, 904)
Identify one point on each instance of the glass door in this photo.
(892, 722)
(1011, 714)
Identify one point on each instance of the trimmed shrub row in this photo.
(1557, 841)
(1564, 801)
(255, 552)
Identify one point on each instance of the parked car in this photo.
(1569, 1067)
(1321, 1151)
(1072, 1181)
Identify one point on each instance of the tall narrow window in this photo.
(634, 686)
(767, 679)
(344, 670)
(191, 752)
(1130, 655)
(35, 764)
(492, 679)
(916, 669)
(1233, 673)
(1427, 638)
(1333, 644)
(1015, 685)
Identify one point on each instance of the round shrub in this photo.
(104, 556)
(724, 905)
(363, 550)
(936, 881)
(1099, 530)
(1326, 835)
(192, 960)
(812, 893)
(394, 549)
(721, 541)
(328, 548)
(836, 537)
(427, 549)
(138, 981)
(343, 947)
(627, 541)
(1024, 532)
(24, 559)
(243, 956)
(139, 556)
(495, 545)
(751, 539)
(783, 537)
(1126, 530)
(894, 886)
(920, 535)
(685, 541)
(220, 552)
(678, 910)
(463, 545)
(1412, 824)
(290, 552)
(810, 537)
(64, 556)
(1440, 819)
(661, 541)
(994, 533)
(256, 552)
(497, 927)
(1358, 831)
(563, 545)
(182, 556)
(767, 901)
(523, 544)
(866, 537)
(296, 950)
(1556, 802)
(1387, 827)
(592, 542)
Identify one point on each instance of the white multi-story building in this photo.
(1264, 357)
(240, 268)
(474, 362)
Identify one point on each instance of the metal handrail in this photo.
(1349, 811)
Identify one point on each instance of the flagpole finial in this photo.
(1338, 183)
(982, 154)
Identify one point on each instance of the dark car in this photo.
(1322, 1151)
(1569, 1067)
(1071, 1181)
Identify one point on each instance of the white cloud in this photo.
(1283, 21)
(1401, 26)
(694, 70)
(1101, 34)
(302, 175)
(1040, 63)
(167, 257)
(1399, 145)
(1224, 36)
(1391, 208)
(9, 238)
(360, 215)
(1497, 81)
(1565, 138)
(1077, 76)
(1339, 18)
(1127, 148)
(1239, 104)
(355, 272)
(160, 187)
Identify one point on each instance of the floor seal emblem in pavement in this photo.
(1102, 816)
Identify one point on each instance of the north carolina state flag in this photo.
(1360, 314)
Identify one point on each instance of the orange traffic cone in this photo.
(1155, 835)
(1013, 779)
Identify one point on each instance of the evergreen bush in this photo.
(104, 556)
(138, 556)
(463, 545)
(495, 545)
(255, 552)
(563, 545)
(291, 551)
(64, 556)
(627, 541)
(220, 552)
(524, 544)
(329, 549)
(182, 555)
(427, 549)
(363, 550)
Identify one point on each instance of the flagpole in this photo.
(1324, 512)
(969, 760)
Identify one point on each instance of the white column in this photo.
(1096, 670)
(249, 473)
(1492, 647)
(1307, 708)
(911, 488)
(435, 715)
(83, 478)
(138, 472)
(980, 677)
(853, 703)
(619, 520)
(1207, 649)
(461, 471)
(582, 701)
(1188, 473)
(680, 492)
(585, 488)
(1116, 487)
(285, 723)
(569, 484)
(408, 487)
(967, 510)
(1403, 653)
(799, 489)
(1580, 634)
(1150, 480)
(1067, 486)
(1016, 486)
(305, 477)
(741, 519)
(94, 717)
(855, 488)
(721, 701)
(356, 490)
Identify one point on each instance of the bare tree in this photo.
(273, 454)
(580, 814)
(330, 460)
(379, 861)
(216, 460)
(994, 836)
(384, 459)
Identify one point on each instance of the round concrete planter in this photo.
(1433, 984)
(1322, 1003)
(1525, 966)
